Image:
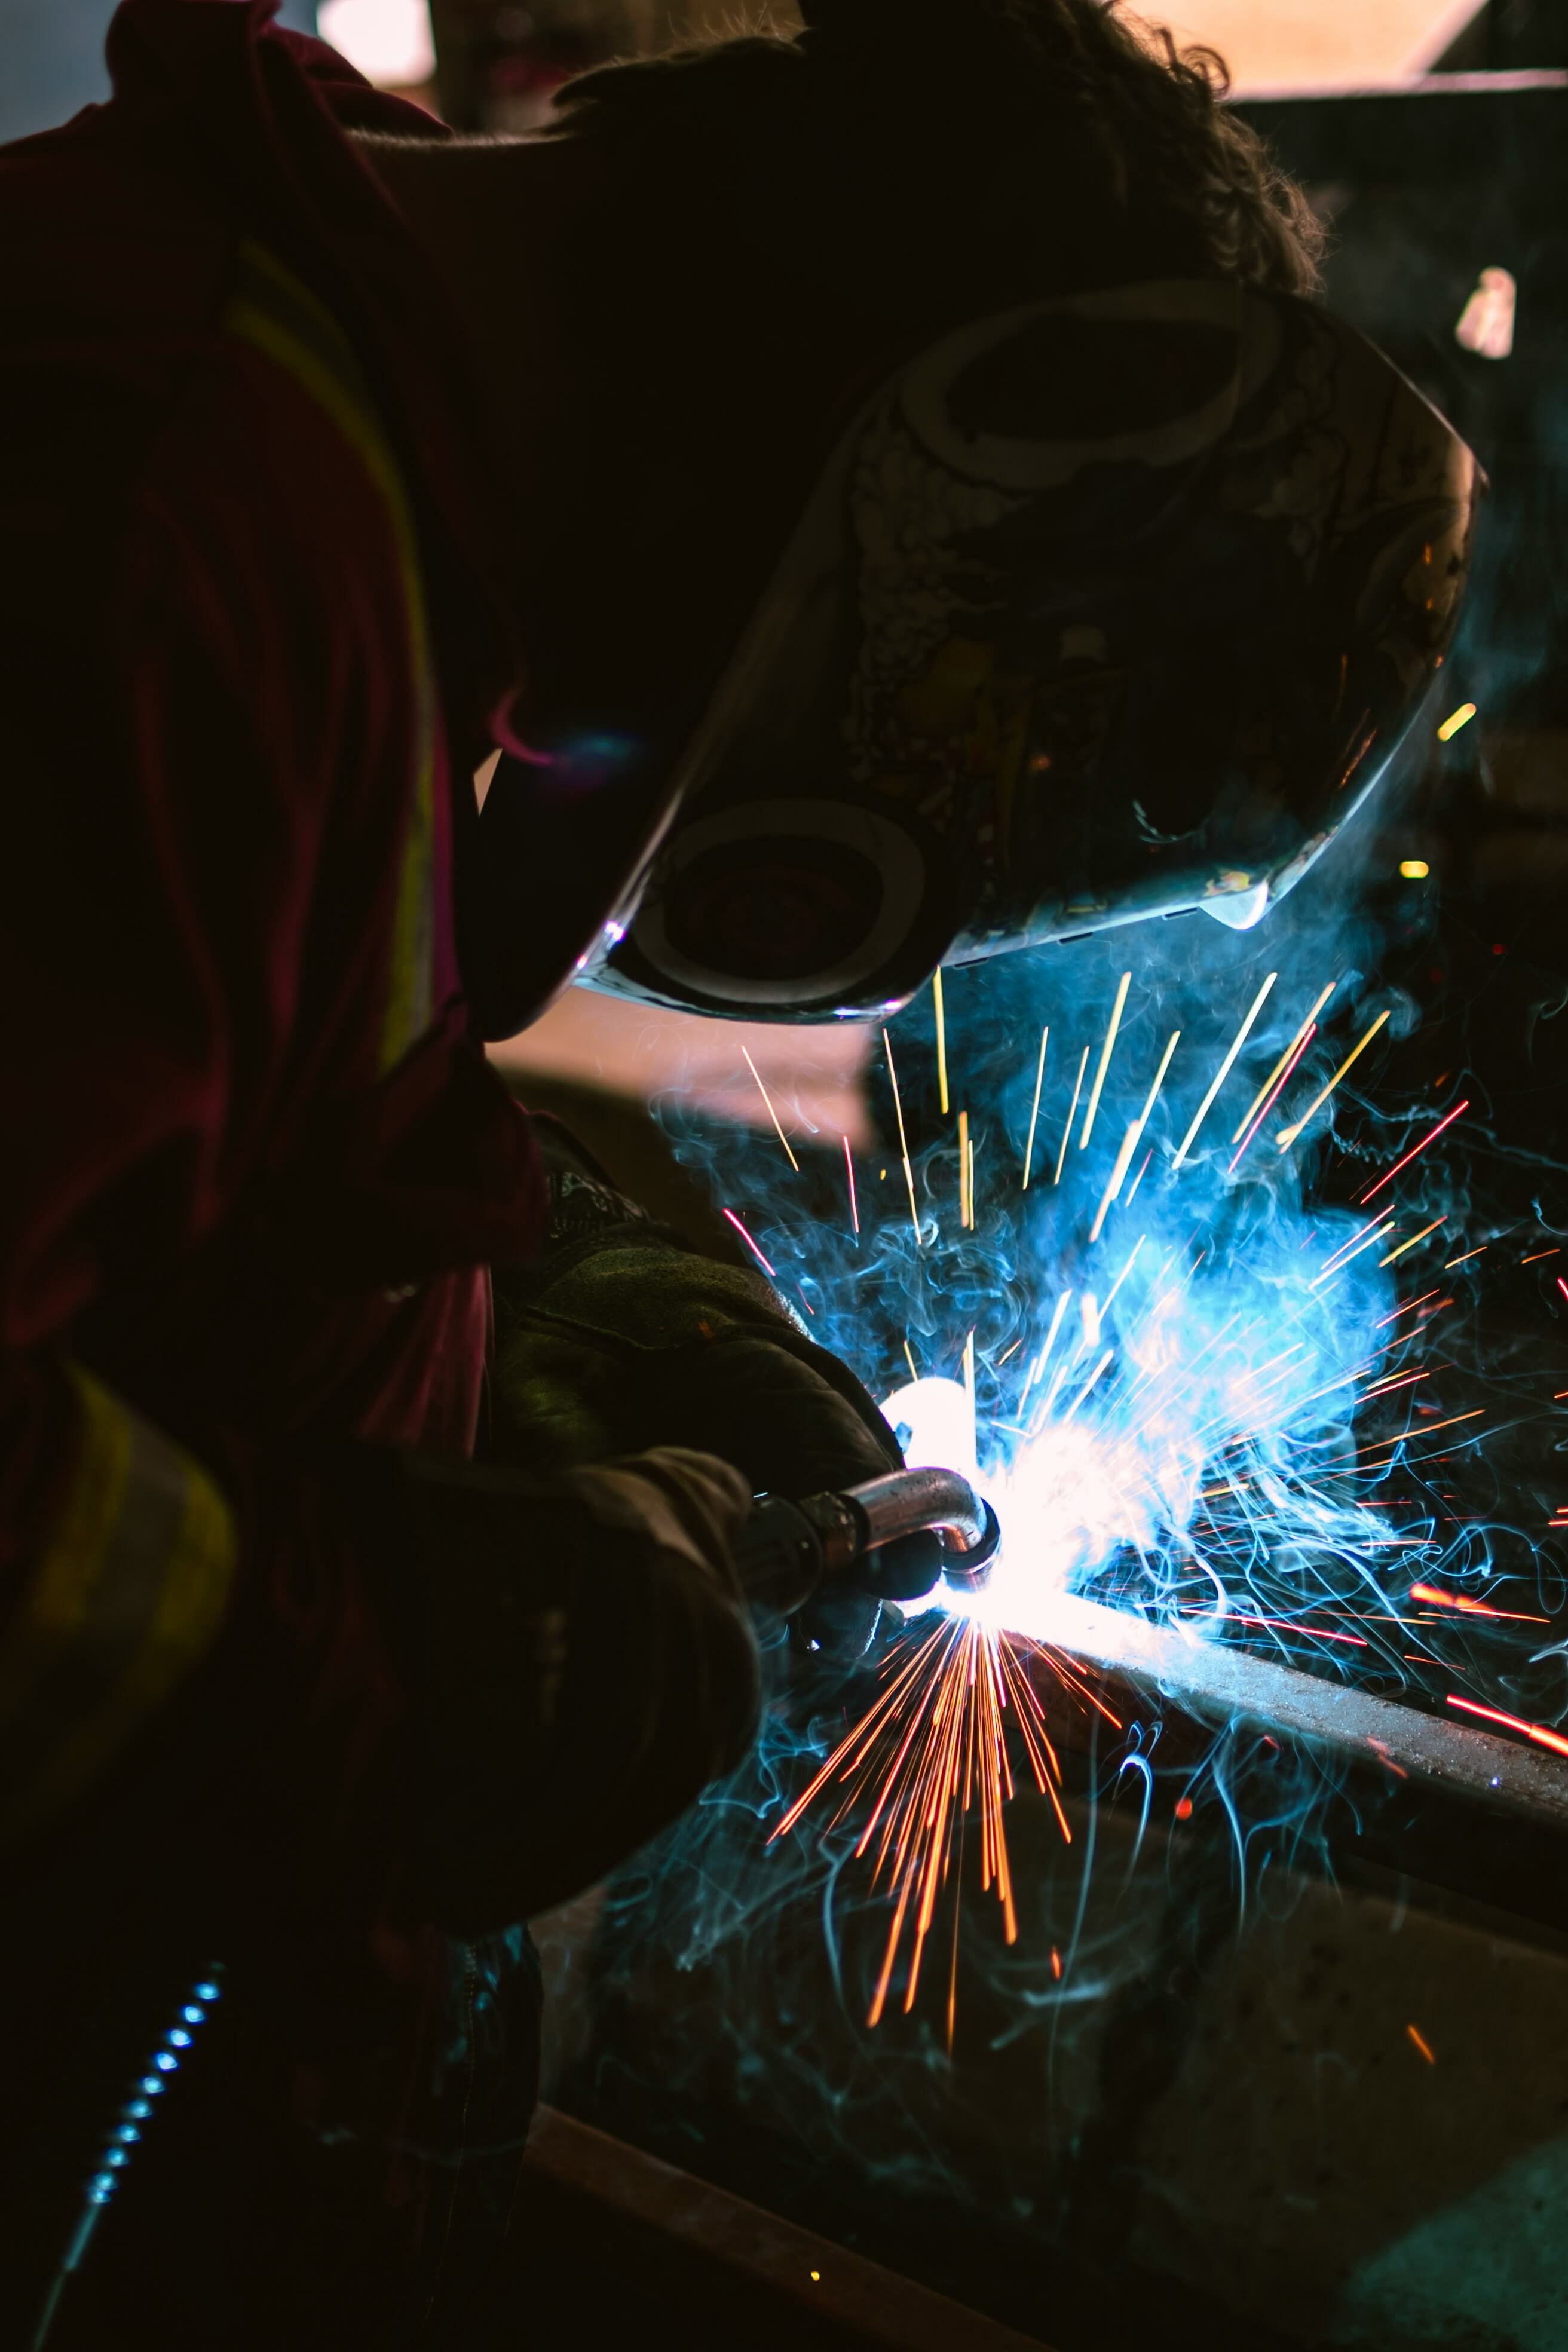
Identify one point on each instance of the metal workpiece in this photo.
(1221, 1685)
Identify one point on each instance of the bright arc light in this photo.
(1065, 1502)
(389, 41)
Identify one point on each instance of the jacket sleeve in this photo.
(147, 971)
(166, 838)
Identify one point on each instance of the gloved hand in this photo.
(576, 1657)
(621, 1336)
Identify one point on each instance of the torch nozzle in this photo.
(795, 1544)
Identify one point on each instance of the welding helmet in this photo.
(1111, 605)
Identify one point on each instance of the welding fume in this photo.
(867, 502)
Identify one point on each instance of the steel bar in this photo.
(619, 2247)
(1219, 1685)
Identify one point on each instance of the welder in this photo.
(829, 505)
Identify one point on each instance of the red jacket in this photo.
(250, 647)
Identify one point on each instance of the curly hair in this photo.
(933, 158)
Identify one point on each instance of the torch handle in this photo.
(787, 1548)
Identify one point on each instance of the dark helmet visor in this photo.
(1108, 606)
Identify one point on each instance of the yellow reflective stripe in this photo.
(63, 1585)
(278, 314)
(126, 1599)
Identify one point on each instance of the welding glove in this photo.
(621, 1336)
(577, 1659)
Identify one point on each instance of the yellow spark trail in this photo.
(1338, 1264)
(1034, 1115)
(1224, 1071)
(1039, 1364)
(1410, 1245)
(1261, 1096)
(1106, 1052)
(903, 1140)
(771, 1112)
(1072, 1113)
(941, 1037)
(1131, 1139)
(1287, 1134)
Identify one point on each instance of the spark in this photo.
(1295, 1625)
(1435, 1224)
(1106, 1052)
(941, 1037)
(1039, 1364)
(1539, 1255)
(1179, 1445)
(1454, 720)
(1392, 1381)
(1133, 1136)
(850, 1172)
(1292, 1051)
(1437, 1599)
(1132, 1261)
(1305, 1041)
(1091, 1383)
(1287, 1134)
(1538, 1732)
(903, 1140)
(1376, 1443)
(1224, 1071)
(932, 1750)
(1426, 1140)
(751, 1244)
(771, 1112)
(1341, 1258)
(1072, 1113)
(1419, 2039)
(1453, 1261)
(1034, 1115)
(1408, 1307)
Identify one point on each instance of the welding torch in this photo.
(792, 1546)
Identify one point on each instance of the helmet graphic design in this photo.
(1108, 606)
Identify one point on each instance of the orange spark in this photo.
(1438, 1598)
(1536, 1731)
(930, 1752)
